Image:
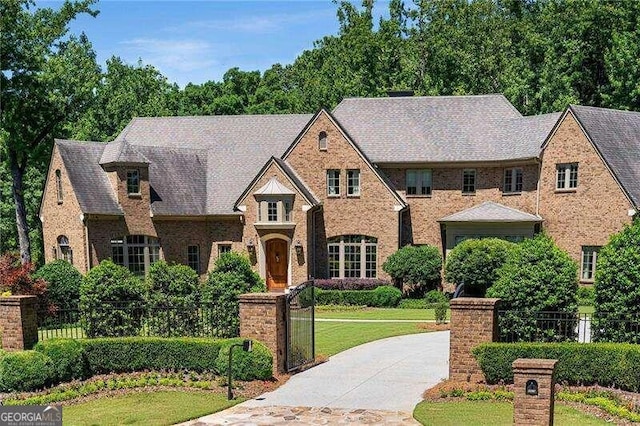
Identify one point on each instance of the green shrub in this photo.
(384, 296)
(231, 277)
(111, 301)
(617, 289)
(435, 296)
(173, 300)
(605, 364)
(441, 312)
(536, 277)
(586, 296)
(256, 364)
(68, 358)
(476, 262)
(415, 268)
(25, 371)
(63, 284)
(115, 355)
(412, 304)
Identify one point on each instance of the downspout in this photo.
(538, 187)
(87, 251)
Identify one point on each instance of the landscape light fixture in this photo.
(247, 346)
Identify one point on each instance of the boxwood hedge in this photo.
(605, 364)
(384, 296)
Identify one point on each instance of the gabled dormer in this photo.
(275, 205)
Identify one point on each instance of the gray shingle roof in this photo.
(491, 212)
(237, 146)
(90, 182)
(122, 152)
(442, 128)
(616, 135)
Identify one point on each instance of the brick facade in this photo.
(597, 208)
(262, 317)
(18, 322)
(473, 321)
(533, 410)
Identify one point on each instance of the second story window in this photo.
(275, 210)
(353, 182)
(133, 182)
(566, 176)
(333, 183)
(469, 181)
(512, 180)
(59, 186)
(272, 211)
(322, 141)
(418, 182)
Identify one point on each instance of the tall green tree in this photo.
(47, 78)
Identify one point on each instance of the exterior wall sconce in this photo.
(251, 246)
(298, 247)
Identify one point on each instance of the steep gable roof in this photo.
(90, 183)
(616, 136)
(442, 128)
(491, 212)
(121, 151)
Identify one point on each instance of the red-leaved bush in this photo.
(17, 279)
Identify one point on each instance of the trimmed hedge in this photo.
(384, 296)
(350, 283)
(25, 371)
(605, 364)
(68, 358)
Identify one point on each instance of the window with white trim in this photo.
(589, 258)
(418, 182)
(322, 141)
(566, 176)
(59, 186)
(333, 183)
(63, 250)
(353, 182)
(133, 182)
(275, 210)
(135, 252)
(512, 181)
(469, 181)
(223, 248)
(352, 256)
(193, 258)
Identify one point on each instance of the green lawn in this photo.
(157, 408)
(489, 413)
(334, 337)
(347, 312)
(586, 309)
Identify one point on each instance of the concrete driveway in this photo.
(375, 383)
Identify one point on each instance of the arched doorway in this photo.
(277, 263)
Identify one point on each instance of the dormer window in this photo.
(133, 182)
(275, 205)
(322, 141)
(59, 185)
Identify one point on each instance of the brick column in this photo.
(473, 321)
(533, 408)
(18, 322)
(262, 317)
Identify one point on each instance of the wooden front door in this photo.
(277, 264)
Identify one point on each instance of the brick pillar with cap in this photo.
(534, 387)
(18, 322)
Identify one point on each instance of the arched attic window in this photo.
(322, 141)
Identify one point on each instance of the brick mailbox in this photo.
(534, 384)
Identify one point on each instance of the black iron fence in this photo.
(117, 319)
(523, 326)
(300, 315)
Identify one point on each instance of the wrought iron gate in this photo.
(300, 327)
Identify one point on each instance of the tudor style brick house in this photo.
(334, 194)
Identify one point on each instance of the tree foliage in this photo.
(63, 283)
(415, 268)
(617, 289)
(476, 262)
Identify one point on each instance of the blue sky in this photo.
(197, 41)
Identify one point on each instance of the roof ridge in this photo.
(483, 95)
(163, 117)
(78, 142)
(622, 111)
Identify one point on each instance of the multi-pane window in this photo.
(64, 251)
(276, 210)
(193, 258)
(223, 248)
(322, 141)
(352, 256)
(59, 186)
(418, 182)
(353, 182)
(133, 181)
(512, 180)
(469, 181)
(567, 176)
(333, 182)
(589, 258)
(136, 252)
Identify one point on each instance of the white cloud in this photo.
(179, 55)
